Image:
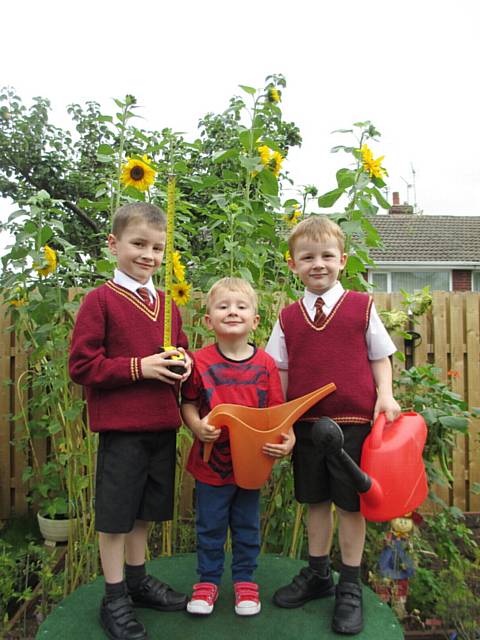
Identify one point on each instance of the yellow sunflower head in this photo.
(370, 164)
(274, 95)
(178, 267)
(50, 257)
(292, 218)
(275, 163)
(181, 293)
(265, 154)
(138, 173)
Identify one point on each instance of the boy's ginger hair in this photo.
(135, 211)
(232, 284)
(316, 227)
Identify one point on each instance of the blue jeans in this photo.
(218, 508)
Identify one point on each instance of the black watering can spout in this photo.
(328, 438)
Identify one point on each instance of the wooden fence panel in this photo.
(5, 425)
(450, 338)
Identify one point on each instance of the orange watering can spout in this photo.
(249, 429)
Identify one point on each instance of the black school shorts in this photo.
(135, 478)
(318, 478)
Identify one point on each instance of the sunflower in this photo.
(178, 267)
(370, 165)
(292, 218)
(50, 257)
(275, 163)
(264, 153)
(181, 293)
(138, 173)
(274, 95)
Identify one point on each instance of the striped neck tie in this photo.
(319, 315)
(145, 296)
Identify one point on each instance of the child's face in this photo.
(139, 250)
(317, 263)
(231, 315)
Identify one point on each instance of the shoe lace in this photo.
(204, 591)
(246, 591)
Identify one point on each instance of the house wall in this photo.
(461, 280)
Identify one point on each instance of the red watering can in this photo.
(249, 429)
(392, 479)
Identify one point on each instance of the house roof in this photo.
(425, 238)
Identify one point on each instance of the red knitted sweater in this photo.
(336, 351)
(113, 331)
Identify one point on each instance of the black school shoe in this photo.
(118, 620)
(308, 585)
(348, 612)
(153, 594)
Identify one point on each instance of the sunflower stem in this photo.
(122, 127)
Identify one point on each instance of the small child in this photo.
(331, 335)
(233, 371)
(132, 401)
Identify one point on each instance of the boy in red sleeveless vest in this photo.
(233, 371)
(132, 401)
(331, 335)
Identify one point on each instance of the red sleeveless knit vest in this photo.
(336, 351)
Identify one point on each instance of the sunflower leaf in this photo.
(328, 199)
(249, 90)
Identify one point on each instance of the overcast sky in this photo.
(411, 67)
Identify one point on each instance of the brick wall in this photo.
(461, 280)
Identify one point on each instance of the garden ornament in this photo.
(250, 428)
(391, 479)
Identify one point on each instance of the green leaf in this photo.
(454, 422)
(329, 199)
(345, 178)
(249, 90)
(246, 274)
(268, 183)
(45, 234)
(105, 150)
(220, 156)
(380, 199)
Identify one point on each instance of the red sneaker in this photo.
(203, 598)
(247, 601)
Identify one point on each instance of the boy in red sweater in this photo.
(233, 371)
(331, 335)
(132, 401)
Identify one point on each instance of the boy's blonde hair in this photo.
(316, 228)
(232, 284)
(135, 212)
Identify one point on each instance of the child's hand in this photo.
(283, 449)
(156, 367)
(205, 432)
(188, 364)
(388, 405)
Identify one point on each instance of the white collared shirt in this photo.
(379, 343)
(132, 285)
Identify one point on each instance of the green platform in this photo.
(76, 618)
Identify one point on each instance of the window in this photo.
(475, 280)
(412, 281)
(415, 280)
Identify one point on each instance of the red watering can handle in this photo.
(376, 433)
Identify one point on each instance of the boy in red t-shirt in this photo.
(331, 335)
(132, 401)
(230, 371)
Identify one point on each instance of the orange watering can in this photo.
(249, 429)
(391, 479)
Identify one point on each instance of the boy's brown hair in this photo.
(232, 284)
(130, 213)
(316, 227)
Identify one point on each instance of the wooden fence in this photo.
(450, 338)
